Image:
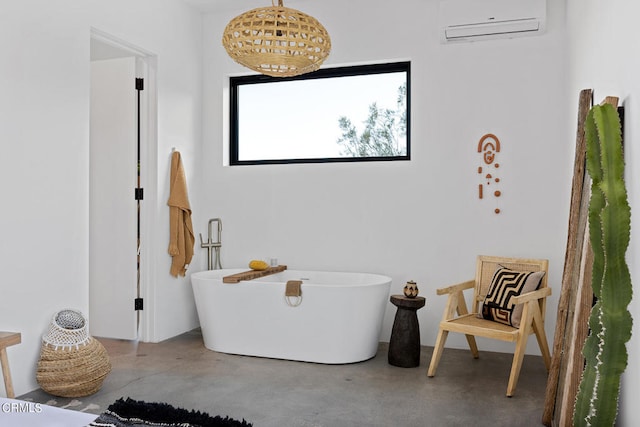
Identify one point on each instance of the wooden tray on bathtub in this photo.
(253, 274)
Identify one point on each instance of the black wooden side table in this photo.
(404, 345)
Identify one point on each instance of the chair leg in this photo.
(461, 309)
(538, 328)
(521, 345)
(437, 352)
(518, 356)
(6, 373)
(473, 346)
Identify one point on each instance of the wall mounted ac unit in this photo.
(470, 20)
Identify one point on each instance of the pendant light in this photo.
(277, 41)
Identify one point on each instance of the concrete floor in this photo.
(277, 393)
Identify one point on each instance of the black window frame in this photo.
(237, 81)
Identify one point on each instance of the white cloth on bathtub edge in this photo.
(21, 413)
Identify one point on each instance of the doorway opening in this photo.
(121, 165)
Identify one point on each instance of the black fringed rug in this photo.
(134, 413)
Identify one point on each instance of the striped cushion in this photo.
(505, 285)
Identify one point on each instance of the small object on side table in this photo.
(404, 345)
(411, 289)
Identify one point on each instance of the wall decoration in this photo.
(489, 147)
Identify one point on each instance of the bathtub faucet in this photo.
(215, 245)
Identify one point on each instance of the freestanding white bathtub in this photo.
(338, 320)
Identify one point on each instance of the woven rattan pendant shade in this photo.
(277, 41)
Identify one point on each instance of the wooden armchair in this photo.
(457, 318)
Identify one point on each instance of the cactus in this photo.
(609, 227)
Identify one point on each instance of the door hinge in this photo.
(137, 304)
(139, 193)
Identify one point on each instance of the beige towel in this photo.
(181, 239)
(293, 288)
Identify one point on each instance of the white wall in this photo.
(44, 111)
(604, 57)
(420, 219)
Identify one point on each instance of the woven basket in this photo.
(277, 41)
(72, 363)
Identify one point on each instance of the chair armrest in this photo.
(456, 288)
(540, 293)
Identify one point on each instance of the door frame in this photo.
(146, 68)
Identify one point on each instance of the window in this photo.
(359, 113)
